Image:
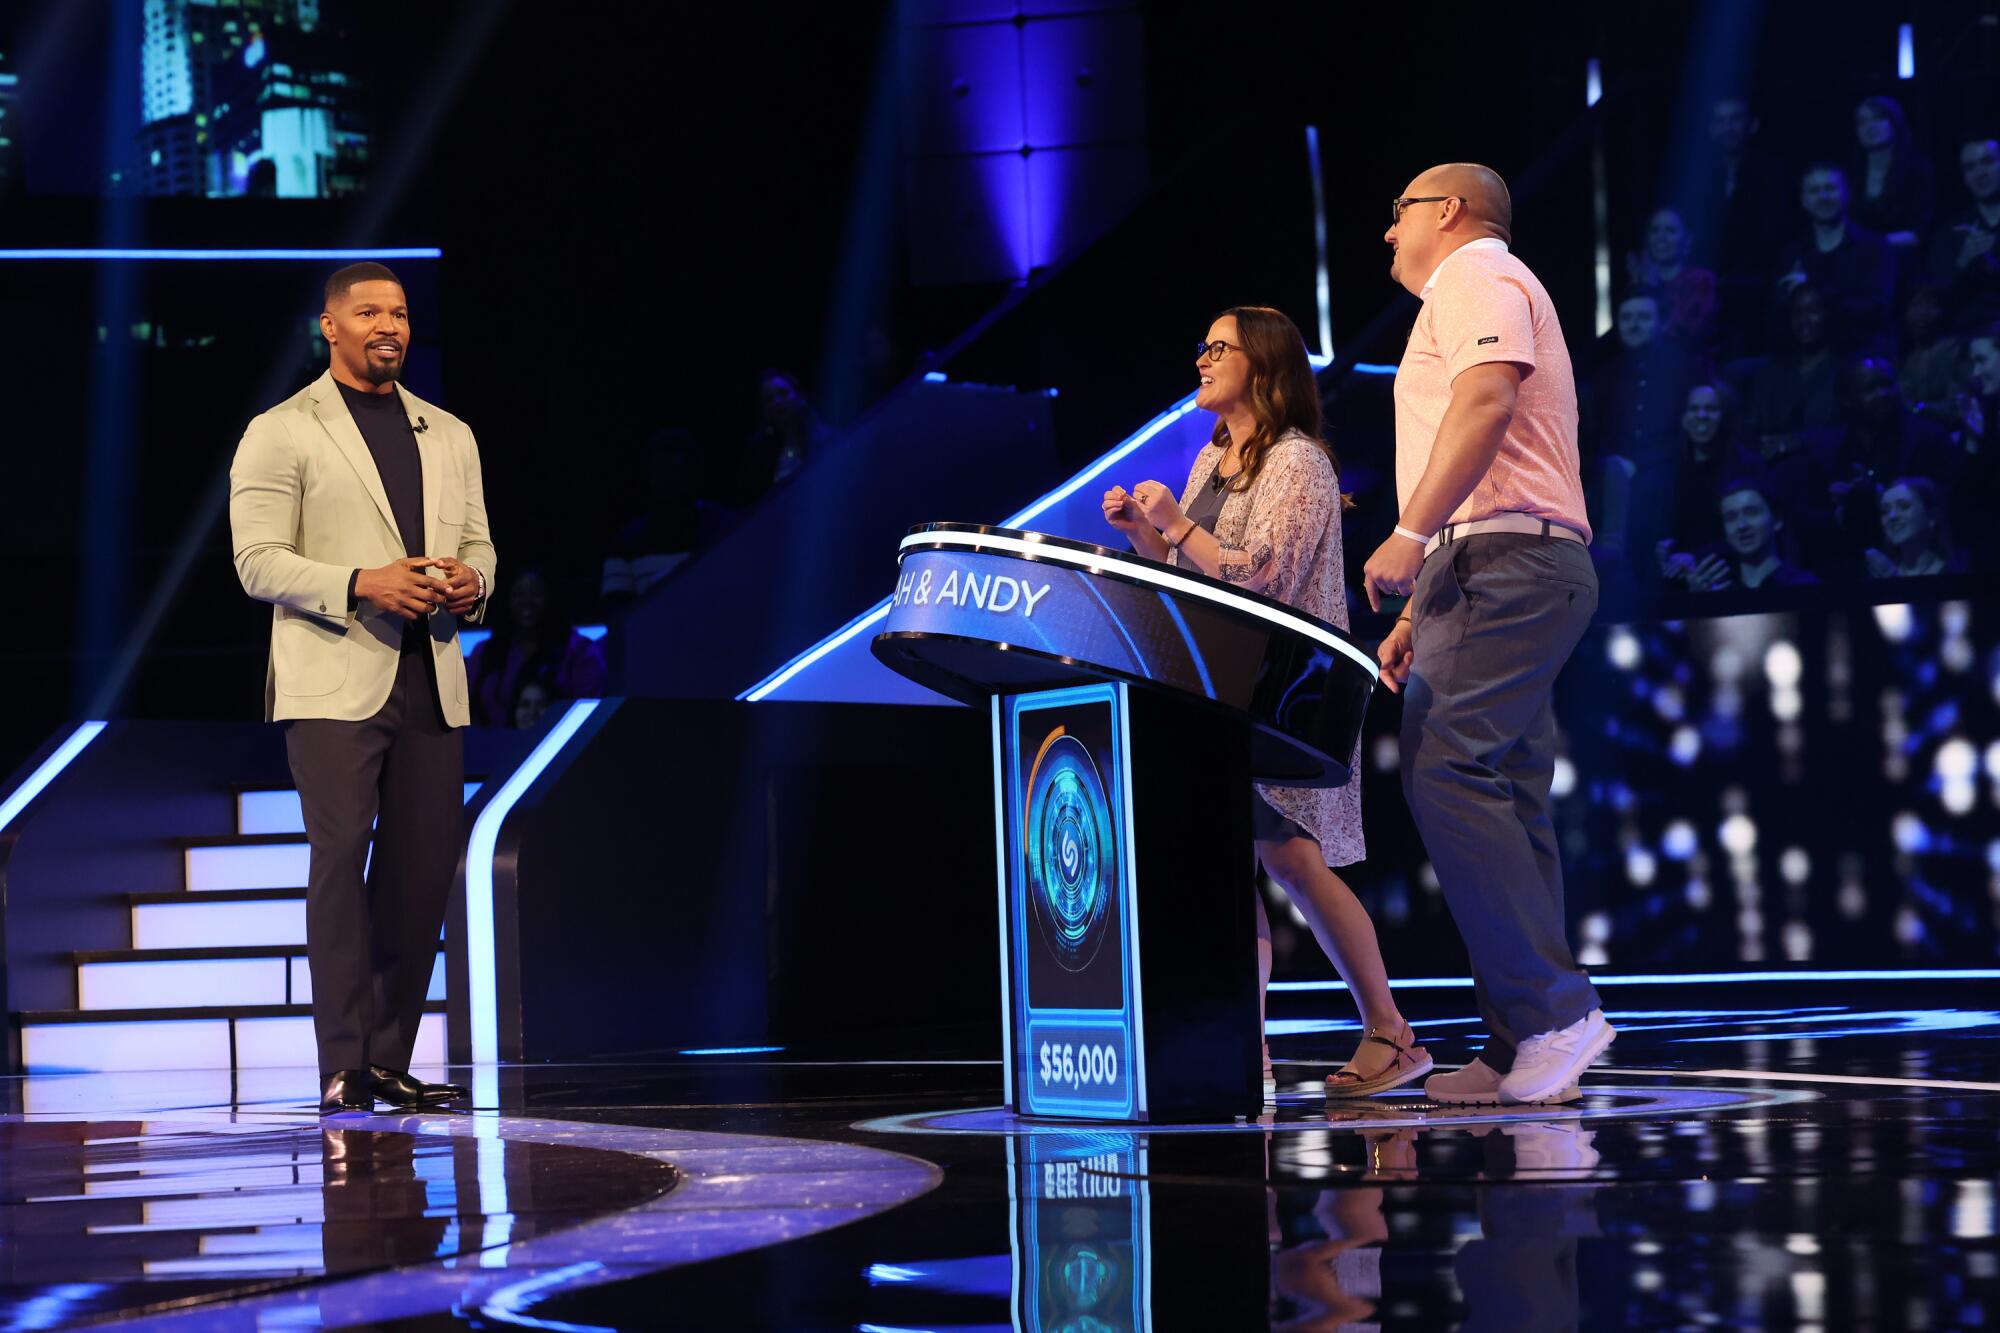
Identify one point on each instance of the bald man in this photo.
(1490, 549)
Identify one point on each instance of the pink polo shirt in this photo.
(1482, 305)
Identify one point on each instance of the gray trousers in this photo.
(1495, 616)
(372, 939)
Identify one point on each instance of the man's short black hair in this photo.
(366, 271)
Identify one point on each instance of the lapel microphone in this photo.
(421, 426)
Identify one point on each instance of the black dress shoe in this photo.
(398, 1088)
(347, 1091)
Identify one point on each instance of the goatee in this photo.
(383, 372)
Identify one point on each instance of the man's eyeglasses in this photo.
(1396, 206)
(1214, 351)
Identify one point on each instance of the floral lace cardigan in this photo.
(1281, 538)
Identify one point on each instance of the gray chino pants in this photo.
(1495, 616)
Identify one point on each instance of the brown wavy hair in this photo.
(1283, 395)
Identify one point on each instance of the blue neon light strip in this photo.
(1000, 876)
(733, 1050)
(113, 253)
(1372, 368)
(482, 985)
(18, 799)
(1693, 978)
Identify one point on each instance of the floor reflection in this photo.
(117, 1215)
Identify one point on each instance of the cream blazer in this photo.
(306, 509)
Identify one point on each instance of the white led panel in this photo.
(198, 925)
(280, 866)
(193, 1043)
(179, 983)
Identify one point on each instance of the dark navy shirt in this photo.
(386, 427)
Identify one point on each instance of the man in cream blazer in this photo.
(357, 510)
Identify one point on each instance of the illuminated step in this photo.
(261, 861)
(55, 1048)
(302, 988)
(264, 1037)
(207, 982)
(278, 811)
(205, 977)
(276, 1043)
(221, 919)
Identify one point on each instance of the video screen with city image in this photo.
(189, 98)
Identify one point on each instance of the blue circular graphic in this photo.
(1069, 852)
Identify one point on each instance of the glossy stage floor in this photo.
(1751, 1156)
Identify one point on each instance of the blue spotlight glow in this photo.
(1906, 51)
(47, 772)
(733, 1050)
(1593, 83)
(935, 377)
(1372, 368)
(482, 986)
(1322, 284)
(276, 253)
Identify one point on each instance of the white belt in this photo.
(1527, 523)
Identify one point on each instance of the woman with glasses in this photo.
(1261, 509)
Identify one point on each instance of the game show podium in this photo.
(1133, 703)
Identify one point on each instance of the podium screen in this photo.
(1070, 900)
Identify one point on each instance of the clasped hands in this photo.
(1147, 505)
(402, 588)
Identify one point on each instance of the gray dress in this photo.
(1281, 538)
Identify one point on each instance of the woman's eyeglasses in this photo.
(1214, 350)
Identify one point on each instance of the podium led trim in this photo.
(1144, 572)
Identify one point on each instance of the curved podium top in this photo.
(980, 611)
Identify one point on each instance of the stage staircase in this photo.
(215, 976)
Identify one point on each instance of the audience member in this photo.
(1962, 256)
(1914, 540)
(1673, 502)
(1877, 433)
(654, 543)
(531, 643)
(1640, 384)
(1850, 265)
(1796, 390)
(530, 705)
(1688, 296)
(1980, 399)
(1748, 556)
(1709, 455)
(1977, 436)
(1898, 193)
(1742, 208)
(789, 433)
(1876, 437)
(1932, 360)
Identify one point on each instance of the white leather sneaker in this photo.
(1551, 1060)
(1478, 1085)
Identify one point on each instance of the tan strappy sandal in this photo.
(1412, 1062)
